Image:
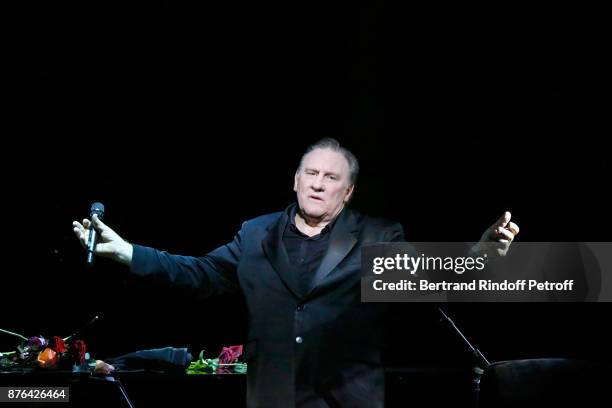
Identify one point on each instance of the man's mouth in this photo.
(315, 198)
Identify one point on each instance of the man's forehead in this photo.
(327, 160)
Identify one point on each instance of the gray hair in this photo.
(334, 145)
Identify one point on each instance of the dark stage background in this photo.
(186, 122)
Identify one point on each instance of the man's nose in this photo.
(317, 184)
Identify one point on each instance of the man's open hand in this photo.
(109, 243)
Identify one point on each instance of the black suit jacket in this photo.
(316, 350)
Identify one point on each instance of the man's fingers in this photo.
(504, 220)
(500, 235)
(103, 248)
(513, 227)
(503, 234)
(98, 224)
(80, 233)
(493, 246)
(77, 226)
(95, 223)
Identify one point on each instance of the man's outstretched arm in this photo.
(214, 273)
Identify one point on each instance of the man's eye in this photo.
(333, 177)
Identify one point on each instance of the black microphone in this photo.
(96, 209)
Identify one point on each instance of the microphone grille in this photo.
(97, 208)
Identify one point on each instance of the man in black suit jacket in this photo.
(311, 342)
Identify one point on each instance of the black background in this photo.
(187, 121)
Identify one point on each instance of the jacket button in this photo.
(299, 340)
(300, 308)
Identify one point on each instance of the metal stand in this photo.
(481, 361)
(124, 394)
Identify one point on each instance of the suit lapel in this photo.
(342, 240)
(274, 249)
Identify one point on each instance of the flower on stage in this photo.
(36, 342)
(36, 351)
(48, 358)
(79, 349)
(69, 353)
(230, 354)
(57, 344)
(226, 363)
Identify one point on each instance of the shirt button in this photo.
(299, 340)
(300, 308)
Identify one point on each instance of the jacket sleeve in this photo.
(209, 275)
(395, 233)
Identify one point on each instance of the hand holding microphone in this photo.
(99, 239)
(97, 209)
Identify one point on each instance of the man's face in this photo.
(322, 184)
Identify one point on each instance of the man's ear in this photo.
(295, 180)
(349, 193)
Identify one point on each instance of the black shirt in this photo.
(305, 253)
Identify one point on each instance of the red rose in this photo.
(57, 344)
(230, 354)
(79, 348)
